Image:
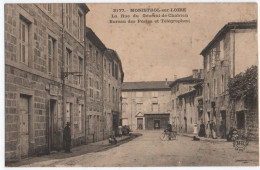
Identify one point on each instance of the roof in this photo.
(188, 79)
(145, 85)
(85, 7)
(231, 25)
(187, 93)
(200, 84)
(90, 34)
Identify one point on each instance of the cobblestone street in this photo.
(149, 150)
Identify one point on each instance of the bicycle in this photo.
(166, 135)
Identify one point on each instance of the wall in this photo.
(130, 99)
(35, 82)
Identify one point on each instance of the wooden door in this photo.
(156, 124)
(24, 114)
(140, 123)
(53, 131)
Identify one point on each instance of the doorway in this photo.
(24, 124)
(223, 118)
(156, 124)
(52, 124)
(140, 123)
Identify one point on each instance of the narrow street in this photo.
(149, 150)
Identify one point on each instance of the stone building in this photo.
(113, 77)
(184, 107)
(104, 77)
(146, 105)
(231, 51)
(43, 46)
(94, 85)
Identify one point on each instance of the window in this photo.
(215, 88)
(109, 68)
(208, 62)
(97, 59)
(105, 64)
(155, 107)
(116, 71)
(139, 94)
(139, 106)
(97, 94)
(213, 57)
(79, 26)
(50, 8)
(51, 55)
(90, 51)
(113, 71)
(23, 41)
(67, 15)
(109, 92)
(221, 50)
(116, 96)
(124, 107)
(80, 70)
(113, 93)
(172, 104)
(208, 90)
(155, 94)
(240, 120)
(68, 58)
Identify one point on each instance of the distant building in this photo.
(231, 51)
(184, 102)
(146, 105)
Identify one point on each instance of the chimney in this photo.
(201, 73)
(195, 73)
(175, 77)
(166, 82)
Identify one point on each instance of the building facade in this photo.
(94, 78)
(146, 105)
(113, 77)
(43, 44)
(232, 50)
(184, 113)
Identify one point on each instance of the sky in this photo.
(153, 52)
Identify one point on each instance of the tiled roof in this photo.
(94, 39)
(231, 25)
(186, 79)
(146, 85)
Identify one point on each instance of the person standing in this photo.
(67, 138)
(202, 132)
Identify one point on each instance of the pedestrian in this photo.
(208, 129)
(211, 128)
(67, 138)
(120, 130)
(214, 130)
(202, 132)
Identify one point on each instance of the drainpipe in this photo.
(62, 70)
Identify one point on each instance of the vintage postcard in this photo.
(131, 84)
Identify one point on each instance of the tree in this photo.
(245, 85)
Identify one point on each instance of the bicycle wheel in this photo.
(164, 136)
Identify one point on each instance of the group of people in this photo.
(210, 129)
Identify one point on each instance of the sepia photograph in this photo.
(130, 84)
